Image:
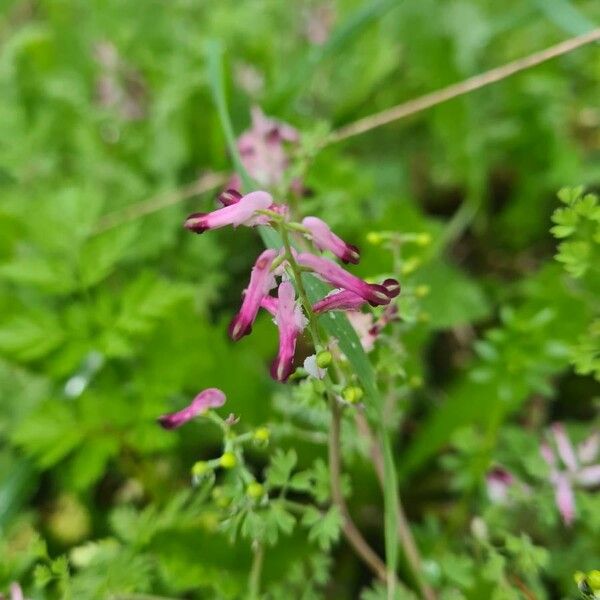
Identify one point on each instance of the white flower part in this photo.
(311, 367)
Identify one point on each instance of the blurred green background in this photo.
(110, 318)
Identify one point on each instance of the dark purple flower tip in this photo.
(378, 295)
(196, 222)
(238, 328)
(351, 255)
(392, 287)
(229, 197)
(281, 370)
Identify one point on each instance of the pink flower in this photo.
(290, 320)
(577, 469)
(269, 303)
(242, 212)
(374, 294)
(262, 149)
(205, 400)
(498, 482)
(324, 239)
(262, 281)
(16, 593)
(346, 300)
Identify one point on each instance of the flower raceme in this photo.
(351, 293)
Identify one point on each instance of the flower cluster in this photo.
(576, 469)
(271, 271)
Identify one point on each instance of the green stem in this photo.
(256, 571)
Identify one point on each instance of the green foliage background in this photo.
(104, 328)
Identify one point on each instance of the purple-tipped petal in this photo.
(340, 300)
(229, 197)
(262, 281)
(374, 294)
(498, 481)
(564, 447)
(392, 286)
(291, 321)
(205, 400)
(242, 212)
(325, 239)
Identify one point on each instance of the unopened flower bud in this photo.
(324, 358)
(374, 237)
(262, 434)
(422, 290)
(593, 578)
(199, 468)
(410, 266)
(220, 498)
(423, 239)
(352, 394)
(228, 460)
(255, 490)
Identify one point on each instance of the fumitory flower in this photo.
(241, 212)
(324, 239)
(205, 400)
(374, 294)
(290, 320)
(498, 483)
(577, 468)
(262, 280)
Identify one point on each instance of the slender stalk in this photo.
(256, 571)
(352, 534)
(405, 536)
(461, 88)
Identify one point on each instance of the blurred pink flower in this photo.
(575, 469)
(498, 483)
(205, 400)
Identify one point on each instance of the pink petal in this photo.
(548, 455)
(340, 300)
(589, 476)
(209, 398)
(564, 447)
(565, 500)
(334, 274)
(325, 239)
(269, 303)
(16, 593)
(261, 282)
(588, 449)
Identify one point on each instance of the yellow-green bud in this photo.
(221, 500)
(324, 359)
(262, 434)
(411, 265)
(255, 490)
(422, 290)
(423, 239)
(579, 577)
(199, 468)
(352, 394)
(228, 460)
(374, 237)
(415, 381)
(593, 579)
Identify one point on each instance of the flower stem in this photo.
(256, 571)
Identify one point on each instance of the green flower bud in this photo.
(255, 490)
(228, 460)
(593, 578)
(423, 239)
(352, 394)
(422, 290)
(262, 434)
(374, 237)
(199, 468)
(324, 359)
(579, 577)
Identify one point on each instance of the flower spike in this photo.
(209, 398)
(374, 294)
(291, 321)
(325, 239)
(262, 281)
(242, 212)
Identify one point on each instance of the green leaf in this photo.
(280, 469)
(323, 528)
(30, 336)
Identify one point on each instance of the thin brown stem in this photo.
(407, 541)
(351, 532)
(461, 88)
(141, 209)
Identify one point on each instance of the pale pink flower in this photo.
(291, 321)
(242, 212)
(262, 281)
(574, 470)
(347, 300)
(498, 483)
(205, 400)
(324, 239)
